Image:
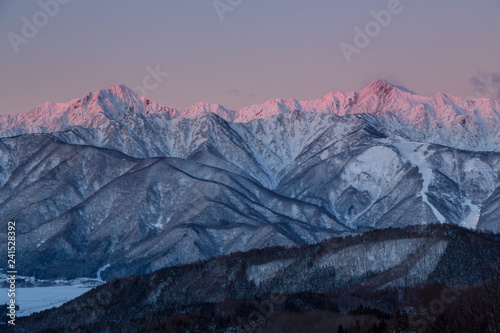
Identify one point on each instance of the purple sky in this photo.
(262, 49)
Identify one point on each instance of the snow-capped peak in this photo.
(441, 118)
(379, 87)
(206, 108)
(96, 108)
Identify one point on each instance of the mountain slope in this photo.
(373, 269)
(78, 208)
(116, 179)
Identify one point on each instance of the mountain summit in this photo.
(442, 119)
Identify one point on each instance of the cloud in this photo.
(392, 78)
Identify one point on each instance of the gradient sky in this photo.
(263, 49)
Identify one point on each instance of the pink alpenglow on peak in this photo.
(205, 108)
(440, 118)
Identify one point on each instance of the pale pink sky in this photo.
(261, 50)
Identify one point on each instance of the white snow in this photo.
(367, 173)
(421, 270)
(376, 257)
(442, 119)
(102, 269)
(359, 260)
(159, 223)
(264, 272)
(415, 153)
(324, 155)
(472, 218)
(31, 300)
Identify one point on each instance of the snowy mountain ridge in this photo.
(441, 119)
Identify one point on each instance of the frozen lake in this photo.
(41, 298)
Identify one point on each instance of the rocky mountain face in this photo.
(114, 178)
(232, 293)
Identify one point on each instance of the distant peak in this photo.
(378, 87)
(385, 86)
(207, 108)
(118, 102)
(120, 90)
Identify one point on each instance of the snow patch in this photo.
(264, 272)
(102, 269)
(159, 224)
(415, 153)
(472, 218)
(37, 299)
(358, 260)
(421, 270)
(324, 155)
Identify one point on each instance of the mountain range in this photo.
(115, 180)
